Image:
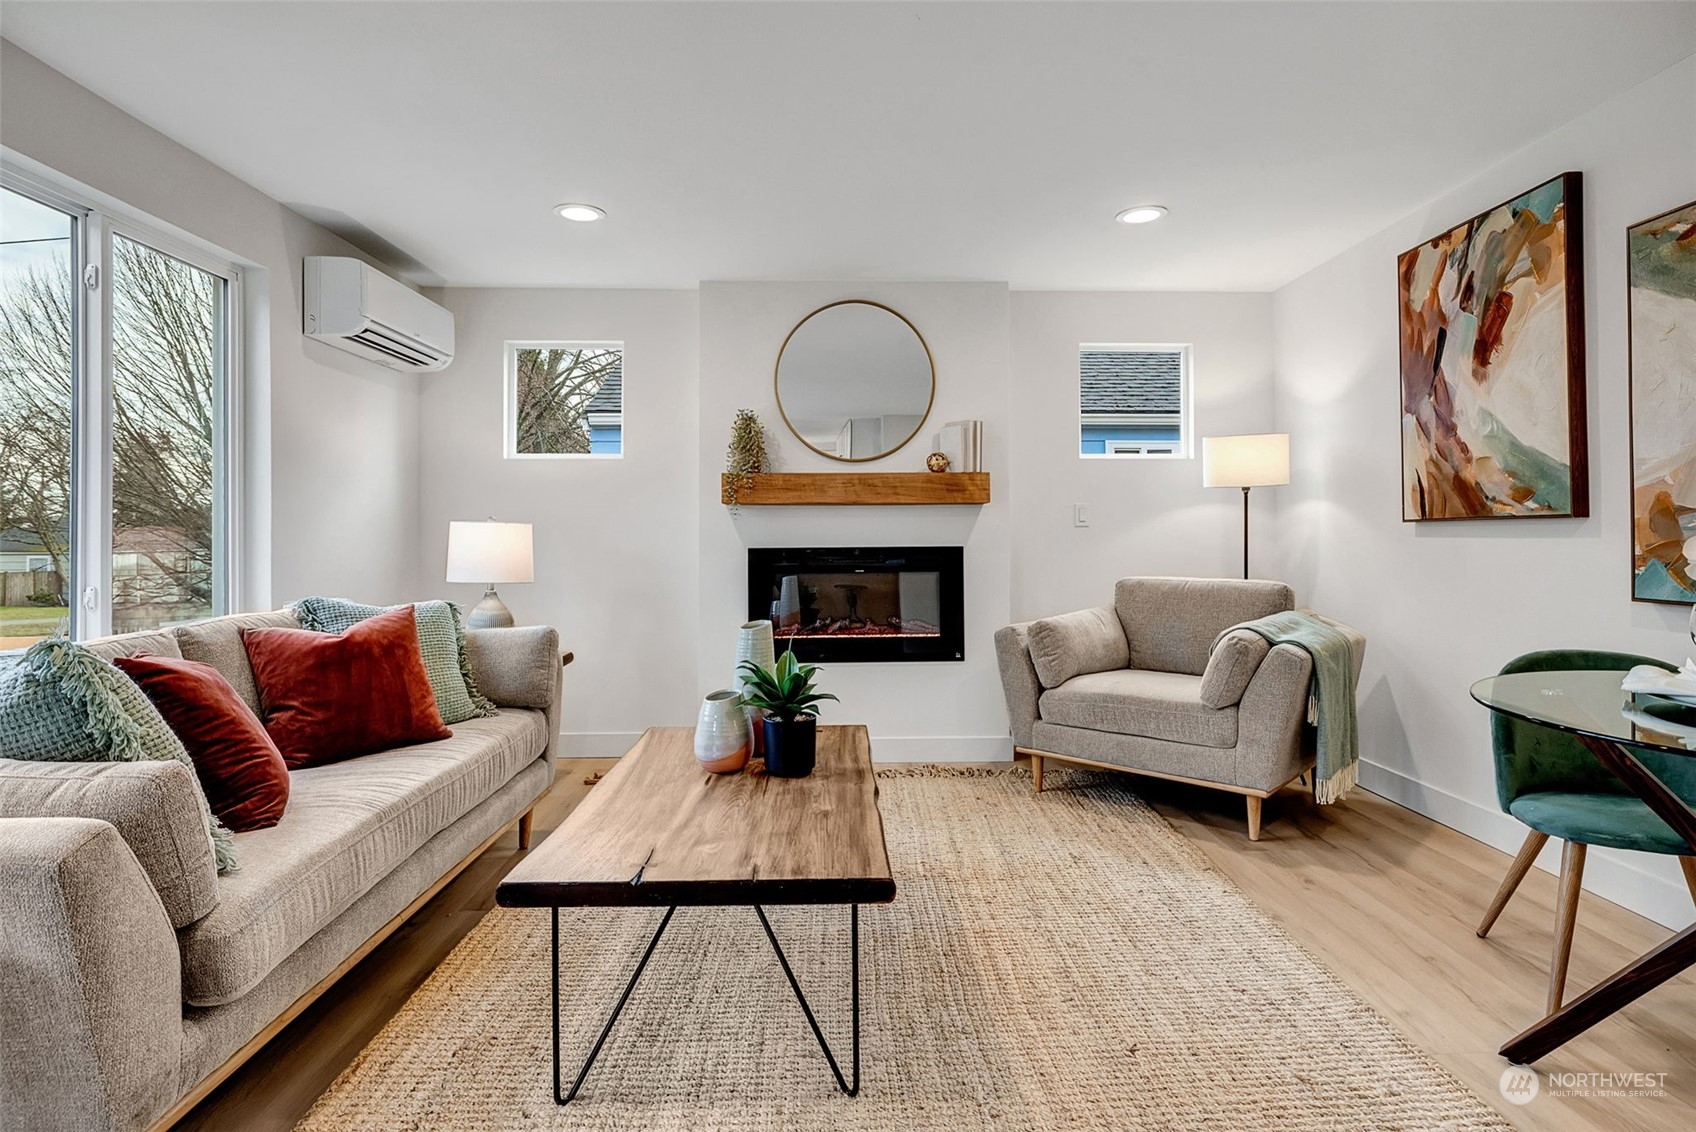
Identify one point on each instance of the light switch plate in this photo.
(1080, 514)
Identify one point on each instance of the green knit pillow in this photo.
(61, 703)
(441, 639)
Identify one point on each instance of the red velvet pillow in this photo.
(241, 770)
(329, 697)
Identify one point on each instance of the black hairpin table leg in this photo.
(616, 1010)
(854, 984)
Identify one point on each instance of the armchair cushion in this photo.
(1154, 705)
(1072, 644)
(1233, 664)
(1171, 623)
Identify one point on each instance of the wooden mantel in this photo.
(828, 489)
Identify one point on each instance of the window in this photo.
(1134, 401)
(118, 362)
(564, 399)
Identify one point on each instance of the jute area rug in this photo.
(1062, 962)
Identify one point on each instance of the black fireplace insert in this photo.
(861, 603)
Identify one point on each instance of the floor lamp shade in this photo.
(491, 553)
(1261, 460)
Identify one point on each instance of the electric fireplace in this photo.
(874, 603)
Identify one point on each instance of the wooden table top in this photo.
(658, 830)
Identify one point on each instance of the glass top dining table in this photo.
(1592, 703)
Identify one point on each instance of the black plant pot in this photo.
(791, 745)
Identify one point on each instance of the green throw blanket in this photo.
(1332, 706)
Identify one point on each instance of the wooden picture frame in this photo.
(1491, 333)
(1660, 268)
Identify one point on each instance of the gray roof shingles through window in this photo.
(609, 398)
(1131, 381)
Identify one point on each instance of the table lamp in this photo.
(1261, 460)
(490, 553)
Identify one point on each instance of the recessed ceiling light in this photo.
(582, 213)
(1141, 214)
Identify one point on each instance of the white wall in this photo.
(615, 539)
(340, 513)
(1446, 603)
(934, 711)
(1146, 516)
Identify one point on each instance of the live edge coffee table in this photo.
(659, 832)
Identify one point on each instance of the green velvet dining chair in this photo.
(1554, 785)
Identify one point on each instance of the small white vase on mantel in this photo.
(723, 739)
(755, 644)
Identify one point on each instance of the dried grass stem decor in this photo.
(746, 456)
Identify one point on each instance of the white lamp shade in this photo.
(1262, 460)
(490, 553)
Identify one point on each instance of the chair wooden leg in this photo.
(524, 828)
(1036, 774)
(1534, 843)
(1566, 917)
(1253, 817)
(1688, 864)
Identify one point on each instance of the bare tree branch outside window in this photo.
(555, 387)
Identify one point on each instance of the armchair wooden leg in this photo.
(1534, 843)
(1253, 817)
(1566, 917)
(1036, 774)
(524, 828)
(1688, 864)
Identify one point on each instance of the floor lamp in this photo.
(1262, 460)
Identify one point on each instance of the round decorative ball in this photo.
(937, 461)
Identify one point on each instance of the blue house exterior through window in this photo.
(605, 415)
(1131, 401)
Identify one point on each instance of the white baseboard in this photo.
(1612, 875)
(885, 748)
(596, 744)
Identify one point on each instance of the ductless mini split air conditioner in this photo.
(354, 307)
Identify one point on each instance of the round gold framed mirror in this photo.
(855, 381)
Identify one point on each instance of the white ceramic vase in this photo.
(755, 644)
(723, 740)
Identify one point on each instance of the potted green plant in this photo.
(785, 696)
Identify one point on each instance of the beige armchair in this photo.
(1140, 687)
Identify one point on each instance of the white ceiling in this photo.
(856, 140)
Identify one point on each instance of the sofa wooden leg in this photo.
(1036, 774)
(1688, 864)
(1566, 918)
(524, 828)
(1253, 817)
(1516, 873)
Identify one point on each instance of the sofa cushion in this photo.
(1156, 705)
(1171, 623)
(156, 642)
(347, 826)
(155, 807)
(1235, 660)
(239, 767)
(218, 642)
(330, 697)
(1090, 640)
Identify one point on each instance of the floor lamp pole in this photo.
(1245, 533)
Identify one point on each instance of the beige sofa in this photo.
(1140, 687)
(133, 978)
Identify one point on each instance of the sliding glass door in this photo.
(117, 363)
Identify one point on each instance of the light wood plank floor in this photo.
(1385, 898)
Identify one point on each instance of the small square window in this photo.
(564, 399)
(1134, 401)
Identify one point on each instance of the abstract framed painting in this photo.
(1492, 363)
(1661, 310)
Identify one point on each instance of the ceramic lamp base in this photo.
(490, 613)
